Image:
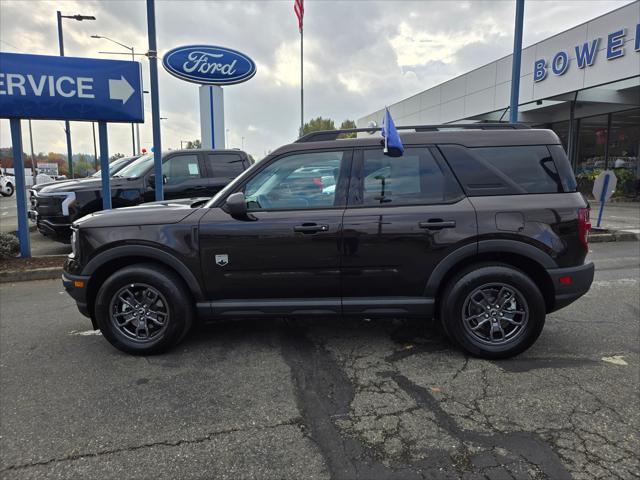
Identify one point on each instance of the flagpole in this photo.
(301, 81)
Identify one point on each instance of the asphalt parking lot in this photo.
(323, 398)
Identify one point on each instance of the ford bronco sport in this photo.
(479, 226)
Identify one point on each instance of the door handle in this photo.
(437, 224)
(311, 228)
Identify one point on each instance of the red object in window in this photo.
(318, 181)
(584, 225)
(565, 280)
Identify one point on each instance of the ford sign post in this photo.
(209, 65)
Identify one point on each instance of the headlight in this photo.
(74, 242)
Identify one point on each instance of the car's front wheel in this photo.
(144, 309)
(8, 190)
(493, 311)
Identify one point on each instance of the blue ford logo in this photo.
(209, 65)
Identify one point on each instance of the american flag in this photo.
(298, 7)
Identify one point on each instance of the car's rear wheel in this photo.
(493, 311)
(144, 309)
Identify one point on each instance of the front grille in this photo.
(47, 206)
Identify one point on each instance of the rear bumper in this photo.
(567, 293)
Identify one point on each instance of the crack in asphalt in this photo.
(164, 443)
(526, 445)
(324, 394)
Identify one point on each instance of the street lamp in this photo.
(67, 127)
(133, 57)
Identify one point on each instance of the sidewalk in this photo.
(617, 216)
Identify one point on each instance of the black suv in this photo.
(186, 173)
(479, 226)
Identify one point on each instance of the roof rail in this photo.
(328, 135)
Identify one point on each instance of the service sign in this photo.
(209, 65)
(70, 88)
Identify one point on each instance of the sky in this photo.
(359, 56)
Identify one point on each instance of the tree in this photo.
(194, 144)
(116, 156)
(348, 124)
(318, 123)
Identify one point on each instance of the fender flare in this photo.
(152, 253)
(485, 246)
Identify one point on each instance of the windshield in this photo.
(114, 166)
(138, 167)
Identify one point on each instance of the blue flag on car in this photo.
(391, 140)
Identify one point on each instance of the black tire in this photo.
(173, 307)
(498, 332)
(10, 190)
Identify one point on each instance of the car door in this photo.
(404, 215)
(221, 168)
(184, 176)
(284, 256)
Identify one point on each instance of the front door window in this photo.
(296, 182)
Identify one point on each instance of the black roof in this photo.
(453, 134)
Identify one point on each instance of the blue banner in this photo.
(70, 88)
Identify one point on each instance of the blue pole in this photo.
(21, 199)
(603, 198)
(515, 69)
(104, 165)
(155, 99)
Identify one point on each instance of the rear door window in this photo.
(415, 178)
(224, 165)
(504, 170)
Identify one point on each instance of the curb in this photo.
(47, 273)
(615, 236)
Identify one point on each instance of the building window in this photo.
(624, 143)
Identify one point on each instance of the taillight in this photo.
(584, 225)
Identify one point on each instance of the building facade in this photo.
(583, 83)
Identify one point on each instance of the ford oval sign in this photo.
(209, 65)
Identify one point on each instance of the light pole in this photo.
(67, 127)
(242, 144)
(133, 58)
(226, 138)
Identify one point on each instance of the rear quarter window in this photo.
(509, 170)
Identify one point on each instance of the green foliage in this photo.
(116, 156)
(623, 176)
(348, 124)
(317, 124)
(9, 245)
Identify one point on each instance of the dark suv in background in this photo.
(186, 174)
(478, 225)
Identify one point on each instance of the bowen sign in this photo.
(209, 65)
(585, 54)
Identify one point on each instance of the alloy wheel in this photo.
(495, 314)
(139, 312)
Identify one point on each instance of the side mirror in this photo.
(151, 180)
(236, 205)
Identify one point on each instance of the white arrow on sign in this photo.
(120, 89)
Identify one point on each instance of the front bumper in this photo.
(76, 287)
(58, 228)
(570, 284)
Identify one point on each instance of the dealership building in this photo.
(583, 83)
